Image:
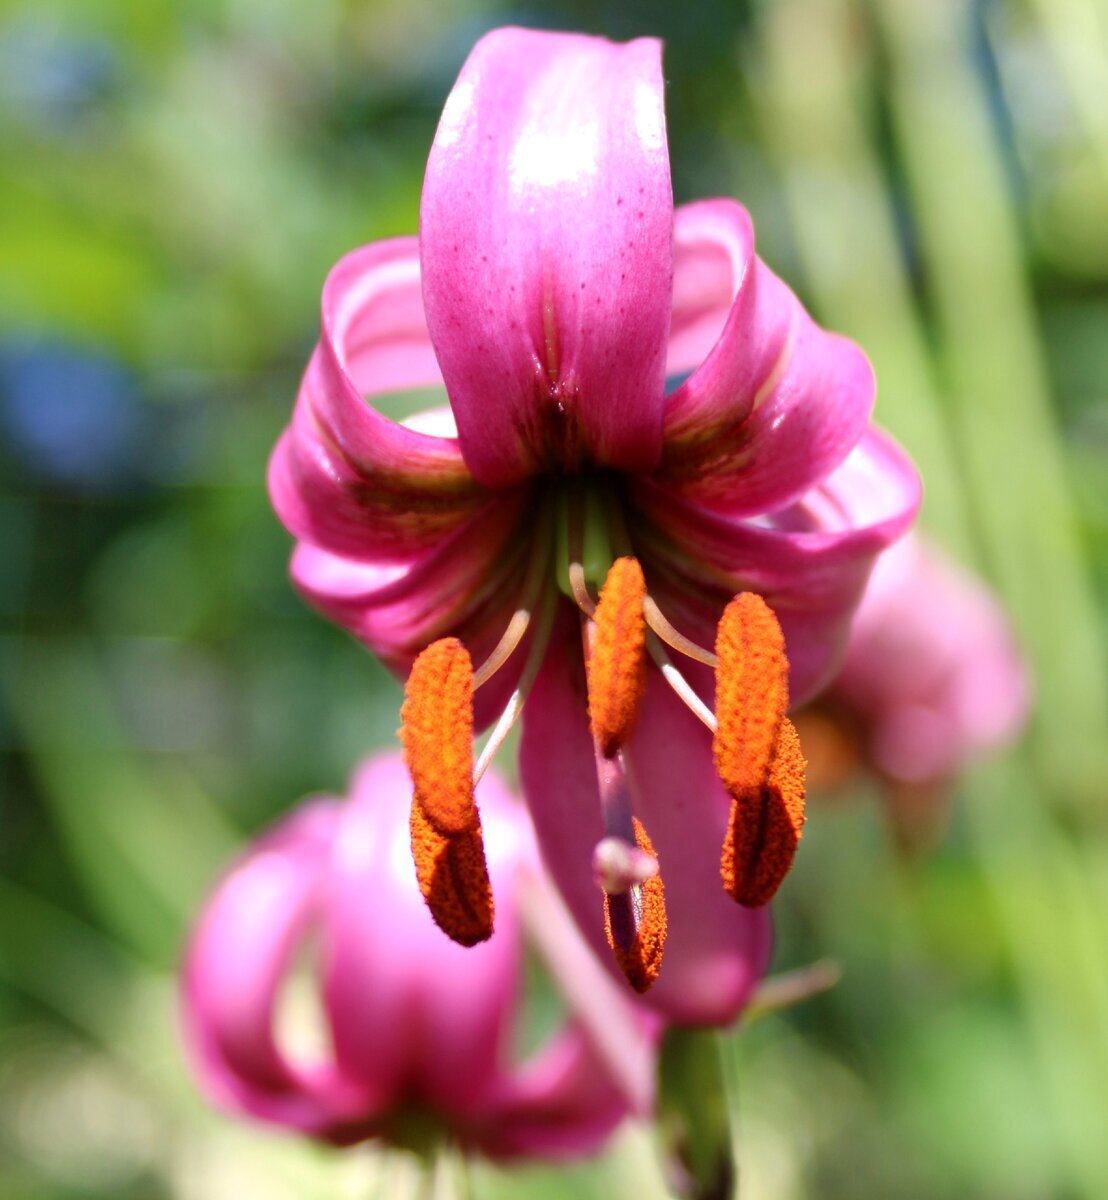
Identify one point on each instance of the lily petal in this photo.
(546, 241)
(708, 267)
(343, 476)
(435, 1026)
(234, 965)
(728, 334)
(811, 561)
(778, 403)
(715, 950)
(561, 1103)
(466, 587)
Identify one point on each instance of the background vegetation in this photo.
(176, 178)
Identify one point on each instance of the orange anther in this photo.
(765, 826)
(617, 656)
(437, 733)
(752, 692)
(641, 959)
(453, 878)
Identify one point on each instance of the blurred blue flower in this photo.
(70, 417)
(54, 78)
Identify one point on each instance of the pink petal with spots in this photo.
(546, 240)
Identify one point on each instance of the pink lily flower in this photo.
(418, 1029)
(932, 679)
(552, 289)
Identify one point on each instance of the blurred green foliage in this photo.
(176, 180)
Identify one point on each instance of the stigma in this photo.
(755, 749)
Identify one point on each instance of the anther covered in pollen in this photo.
(757, 752)
(635, 922)
(437, 733)
(752, 691)
(765, 826)
(617, 656)
(453, 877)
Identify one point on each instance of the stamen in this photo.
(514, 707)
(659, 622)
(765, 826)
(530, 592)
(617, 656)
(575, 552)
(453, 877)
(580, 588)
(437, 733)
(752, 692)
(635, 922)
(505, 648)
(680, 684)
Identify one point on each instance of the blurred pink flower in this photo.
(418, 1030)
(932, 677)
(931, 667)
(552, 288)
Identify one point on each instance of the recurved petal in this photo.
(560, 1104)
(465, 587)
(707, 271)
(715, 950)
(810, 561)
(343, 476)
(778, 402)
(726, 330)
(407, 1005)
(546, 241)
(237, 958)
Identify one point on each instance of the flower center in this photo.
(755, 747)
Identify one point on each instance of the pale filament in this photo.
(580, 589)
(521, 618)
(576, 538)
(679, 683)
(505, 648)
(673, 638)
(514, 707)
